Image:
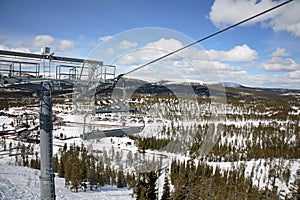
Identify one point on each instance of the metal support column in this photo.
(124, 91)
(46, 150)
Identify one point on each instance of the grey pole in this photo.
(47, 175)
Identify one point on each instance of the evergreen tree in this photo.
(35, 162)
(121, 183)
(142, 146)
(151, 189)
(131, 181)
(83, 163)
(166, 189)
(295, 187)
(118, 158)
(146, 186)
(107, 176)
(61, 166)
(23, 152)
(75, 177)
(92, 175)
(113, 177)
(101, 174)
(129, 159)
(55, 163)
(140, 188)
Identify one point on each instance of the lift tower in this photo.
(47, 173)
(46, 75)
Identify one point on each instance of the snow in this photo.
(5, 120)
(261, 169)
(291, 94)
(23, 183)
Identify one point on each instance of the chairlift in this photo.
(115, 107)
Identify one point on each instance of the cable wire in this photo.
(205, 38)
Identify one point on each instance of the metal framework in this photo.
(47, 75)
(26, 70)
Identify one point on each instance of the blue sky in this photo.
(263, 53)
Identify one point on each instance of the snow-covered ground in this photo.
(261, 170)
(23, 183)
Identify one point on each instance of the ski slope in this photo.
(23, 183)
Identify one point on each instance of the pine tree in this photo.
(23, 151)
(121, 182)
(295, 188)
(101, 173)
(83, 163)
(140, 188)
(129, 159)
(131, 181)
(92, 175)
(151, 189)
(142, 146)
(166, 188)
(118, 158)
(146, 186)
(61, 167)
(56, 163)
(75, 177)
(107, 176)
(65, 148)
(113, 177)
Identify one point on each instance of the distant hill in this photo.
(232, 90)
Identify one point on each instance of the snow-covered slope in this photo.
(23, 183)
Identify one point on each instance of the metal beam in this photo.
(52, 57)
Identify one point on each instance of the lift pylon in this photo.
(29, 72)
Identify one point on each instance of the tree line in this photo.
(83, 171)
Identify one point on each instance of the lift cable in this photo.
(205, 38)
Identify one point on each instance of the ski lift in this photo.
(115, 107)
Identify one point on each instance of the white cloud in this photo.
(237, 54)
(165, 44)
(40, 41)
(109, 51)
(65, 45)
(99, 52)
(290, 80)
(125, 44)
(94, 43)
(228, 12)
(280, 52)
(190, 63)
(105, 38)
(277, 64)
(294, 75)
(286, 18)
(19, 49)
(151, 51)
(140, 56)
(156, 49)
(211, 65)
(207, 62)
